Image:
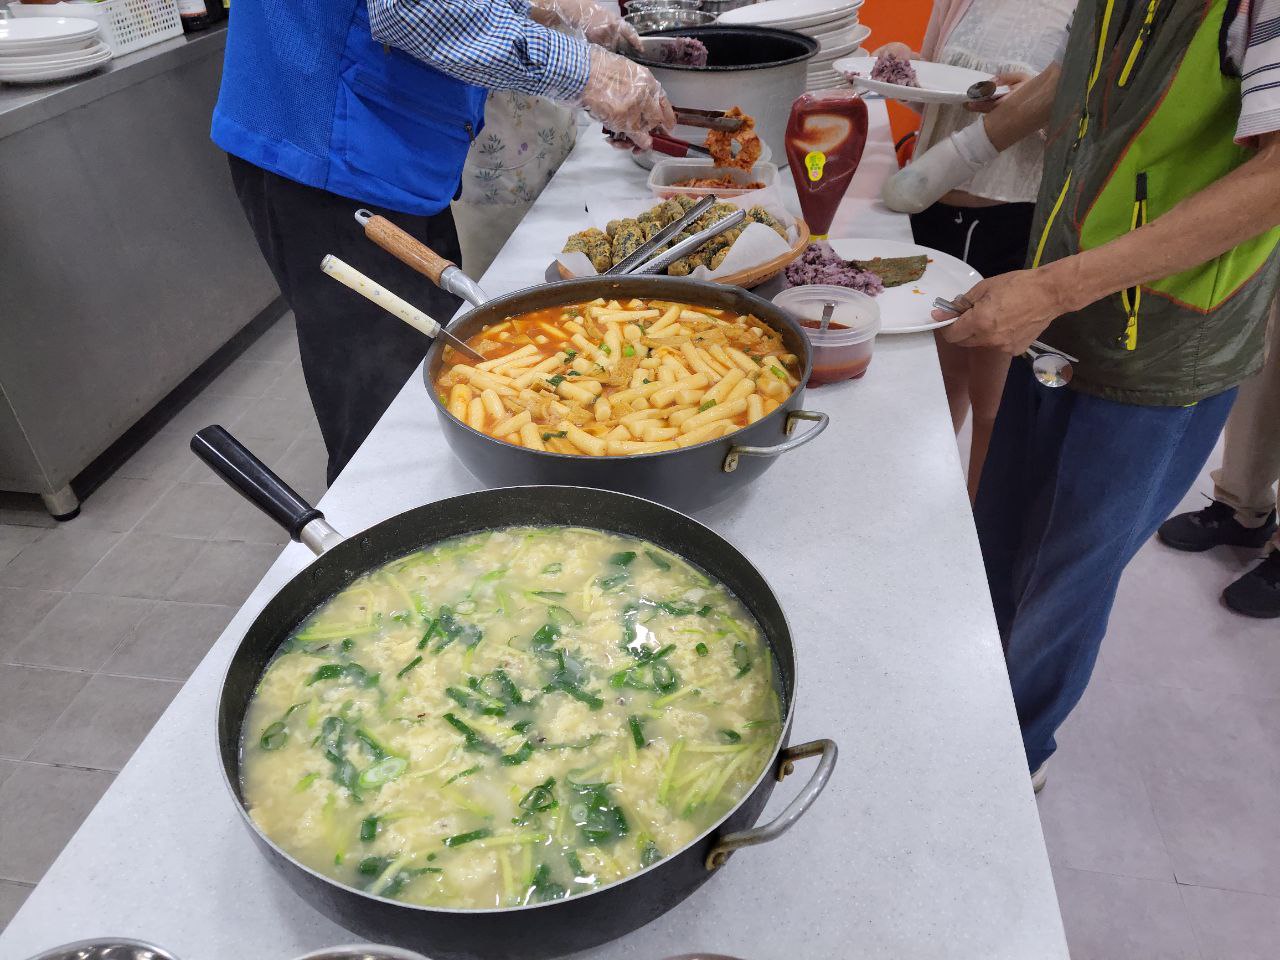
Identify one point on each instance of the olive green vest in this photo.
(1145, 117)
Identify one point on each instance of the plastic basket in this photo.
(127, 25)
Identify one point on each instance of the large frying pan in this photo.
(539, 930)
(689, 478)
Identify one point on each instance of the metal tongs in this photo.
(688, 117)
(1051, 367)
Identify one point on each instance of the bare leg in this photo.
(987, 371)
(954, 361)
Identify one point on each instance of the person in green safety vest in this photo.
(1153, 261)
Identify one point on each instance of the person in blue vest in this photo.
(329, 106)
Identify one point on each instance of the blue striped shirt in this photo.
(490, 43)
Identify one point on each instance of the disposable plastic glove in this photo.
(939, 170)
(598, 23)
(626, 98)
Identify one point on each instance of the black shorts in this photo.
(992, 240)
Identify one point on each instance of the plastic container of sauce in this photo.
(843, 350)
(825, 138)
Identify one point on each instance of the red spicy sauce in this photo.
(833, 364)
(825, 137)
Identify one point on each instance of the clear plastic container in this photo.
(843, 350)
(666, 173)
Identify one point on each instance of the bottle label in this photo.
(814, 161)
(191, 8)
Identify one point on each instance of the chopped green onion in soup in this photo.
(519, 716)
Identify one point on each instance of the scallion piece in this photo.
(700, 649)
(409, 666)
(274, 737)
(637, 732)
(458, 839)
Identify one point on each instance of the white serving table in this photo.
(926, 843)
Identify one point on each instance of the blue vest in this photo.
(309, 94)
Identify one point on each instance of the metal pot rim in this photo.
(767, 771)
(779, 412)
(812, 47)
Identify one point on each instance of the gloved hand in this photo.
(598, 23)
(939, 170)
(626, 98)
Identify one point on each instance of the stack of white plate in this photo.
(40, 49)
(833, 23)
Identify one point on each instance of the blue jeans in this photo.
(1073, 485)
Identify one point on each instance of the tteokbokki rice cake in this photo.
(612, 378)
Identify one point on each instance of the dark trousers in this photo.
(1073, 486)
(355, 356)
(992, 240)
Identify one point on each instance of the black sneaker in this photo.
(1257, 593)
(1214, 526)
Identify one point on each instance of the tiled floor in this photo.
(1161, 814)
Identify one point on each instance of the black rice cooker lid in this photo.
(740, 48)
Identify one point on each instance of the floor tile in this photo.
(279, 342)
(57, 560)
(1169, 628)
(81, 632)
(141, 565)
(273, 418)
(12, 896)
(1122, 918)
(303, 466)
(194, 510)
(105, 722)
(21, 609)
(1221, 831)
(170, 640)
(118, 504)
(163, 458)
(41, 807)
(289, 383)
(7, 767)
(223, 572)
(247, 523)
(32, 699)
(13, 538)
(245, 378)
(1094, 809)
(206, 410)
(1233, 926)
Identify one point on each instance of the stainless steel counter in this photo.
(125, 260)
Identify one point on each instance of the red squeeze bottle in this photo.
(825, 137)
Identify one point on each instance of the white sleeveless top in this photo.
(1001, 36)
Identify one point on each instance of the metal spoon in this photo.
(828, 309)
(982, 90)
(1050, 367)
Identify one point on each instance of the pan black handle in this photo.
(254, 480)
(826, 750)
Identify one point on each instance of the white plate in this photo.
(790, 14)
(59, 72)
(854, 36)
(91, 50)
(34, 34)
(939, 82)
(906, 308)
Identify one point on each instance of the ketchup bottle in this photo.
(825, 137)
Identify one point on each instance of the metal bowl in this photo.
(362, 951)
(671, 18)
(106, 948)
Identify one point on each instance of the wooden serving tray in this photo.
(755, 275)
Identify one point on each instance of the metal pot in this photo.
(759, 69)
(539, 930)
(690, 478)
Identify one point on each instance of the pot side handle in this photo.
(254, 480)
(826, 750)
(817, 416)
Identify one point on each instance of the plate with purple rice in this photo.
(916, 81)
(903, 277)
